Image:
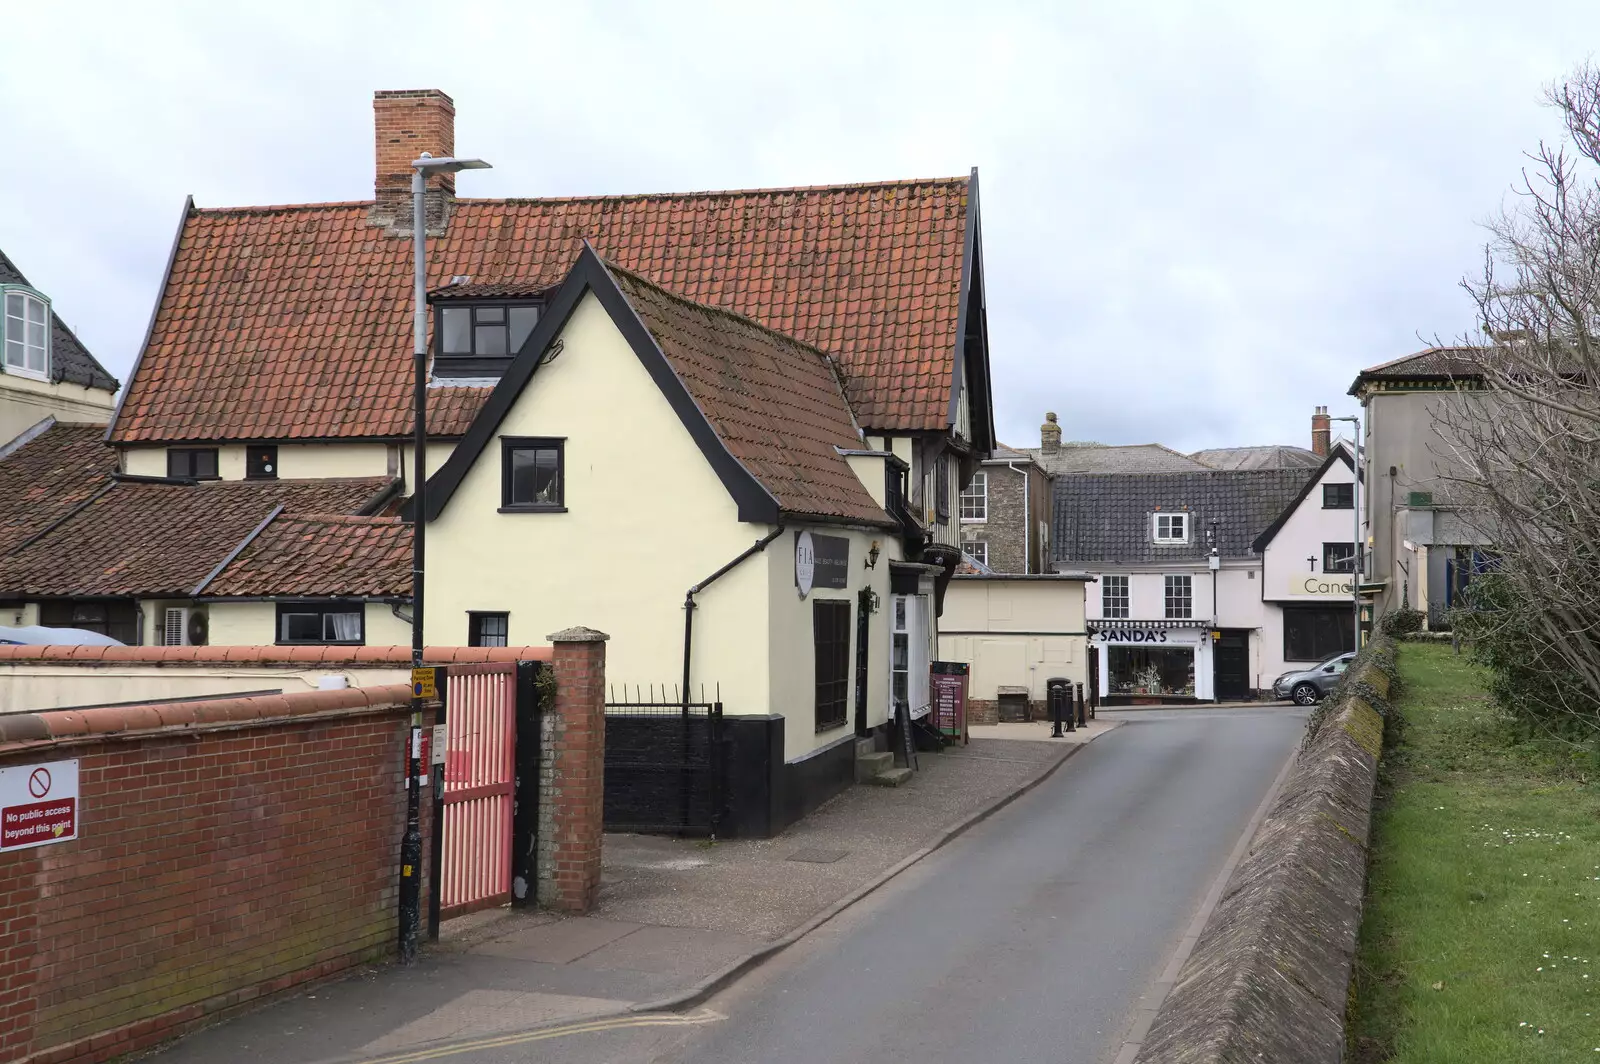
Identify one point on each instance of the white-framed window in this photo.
(1180, 597)
(910, 620)
(977, 550)
(975, 498)
(1171, 528)
(25, 326)
(1114, 597)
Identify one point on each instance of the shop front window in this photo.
(1150, 670)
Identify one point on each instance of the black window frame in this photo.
(475, 627)
(258, 456)
(1328, 565)
(117, 618)
(508, 444)
(473, 363)
(190, 453)
(830, 644)
(1169, 600)
(1342, 496)
(1317, 633)
(323, 608)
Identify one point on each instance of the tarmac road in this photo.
(1033, 937)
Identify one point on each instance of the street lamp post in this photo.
(1355, 502)
(411, 843)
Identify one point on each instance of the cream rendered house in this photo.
(694, 485)
(46, 375)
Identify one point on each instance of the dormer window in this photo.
(1171, 528)
(26, 329)
(486, 330)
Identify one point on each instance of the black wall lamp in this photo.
(872, 556)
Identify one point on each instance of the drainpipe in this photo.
(688, 603)
(1027, 521)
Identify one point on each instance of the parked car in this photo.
(1307, 687)
(39, 636)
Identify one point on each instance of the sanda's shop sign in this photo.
(38, 804)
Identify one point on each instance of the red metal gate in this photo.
(479, 787)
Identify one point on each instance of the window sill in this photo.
(974, 520)
(823, 729)
(26, 374)
(324, 643)
(529, 508)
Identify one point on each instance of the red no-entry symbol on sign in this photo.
(39, 782)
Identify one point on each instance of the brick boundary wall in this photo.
(1269, 977)
(273, 655)
(572, 774)
(227, 849)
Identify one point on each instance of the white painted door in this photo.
(908, 656)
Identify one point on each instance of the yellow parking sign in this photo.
(422, 683)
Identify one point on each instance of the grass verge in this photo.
(1481, 936)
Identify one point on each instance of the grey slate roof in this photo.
(69, 360)
(1101, 518)
(1101, 458)
(1272, 456)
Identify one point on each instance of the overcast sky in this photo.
(1200, 219)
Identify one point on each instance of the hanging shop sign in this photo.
(820, 561)
(38, 804)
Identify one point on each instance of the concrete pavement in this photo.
(1033, 937)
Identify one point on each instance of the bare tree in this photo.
(1523, 427)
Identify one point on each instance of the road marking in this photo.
(618, 1023)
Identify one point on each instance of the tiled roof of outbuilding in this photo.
(295, 322)
(70, 361)
(43, 480)
(321, 555)
(1108, 517)
(150, 538)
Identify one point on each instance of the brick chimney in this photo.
(409, 122)
(1319, 432)
(1050, 435)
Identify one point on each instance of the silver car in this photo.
(1307, 687)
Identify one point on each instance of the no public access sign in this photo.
(38, 804)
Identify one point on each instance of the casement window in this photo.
(488, 629)
(117, 618)
(1170, 528)
(1338, 496)
(830, 636)
(321, 623)
(25, 326)
(1316, 633)
(193, 463)
(975, 498)
(532, 475)
(1179, 597)
(1114, 597)
(495, 330)
(1338, 557)
(261, 463)
(977, 550)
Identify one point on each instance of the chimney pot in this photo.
(1320, 432)
(1050, 435)
(406, 124)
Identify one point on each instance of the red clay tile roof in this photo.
(321, 555)
(142, 538)
(46, 477)
(776, 403)
(294, 322)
